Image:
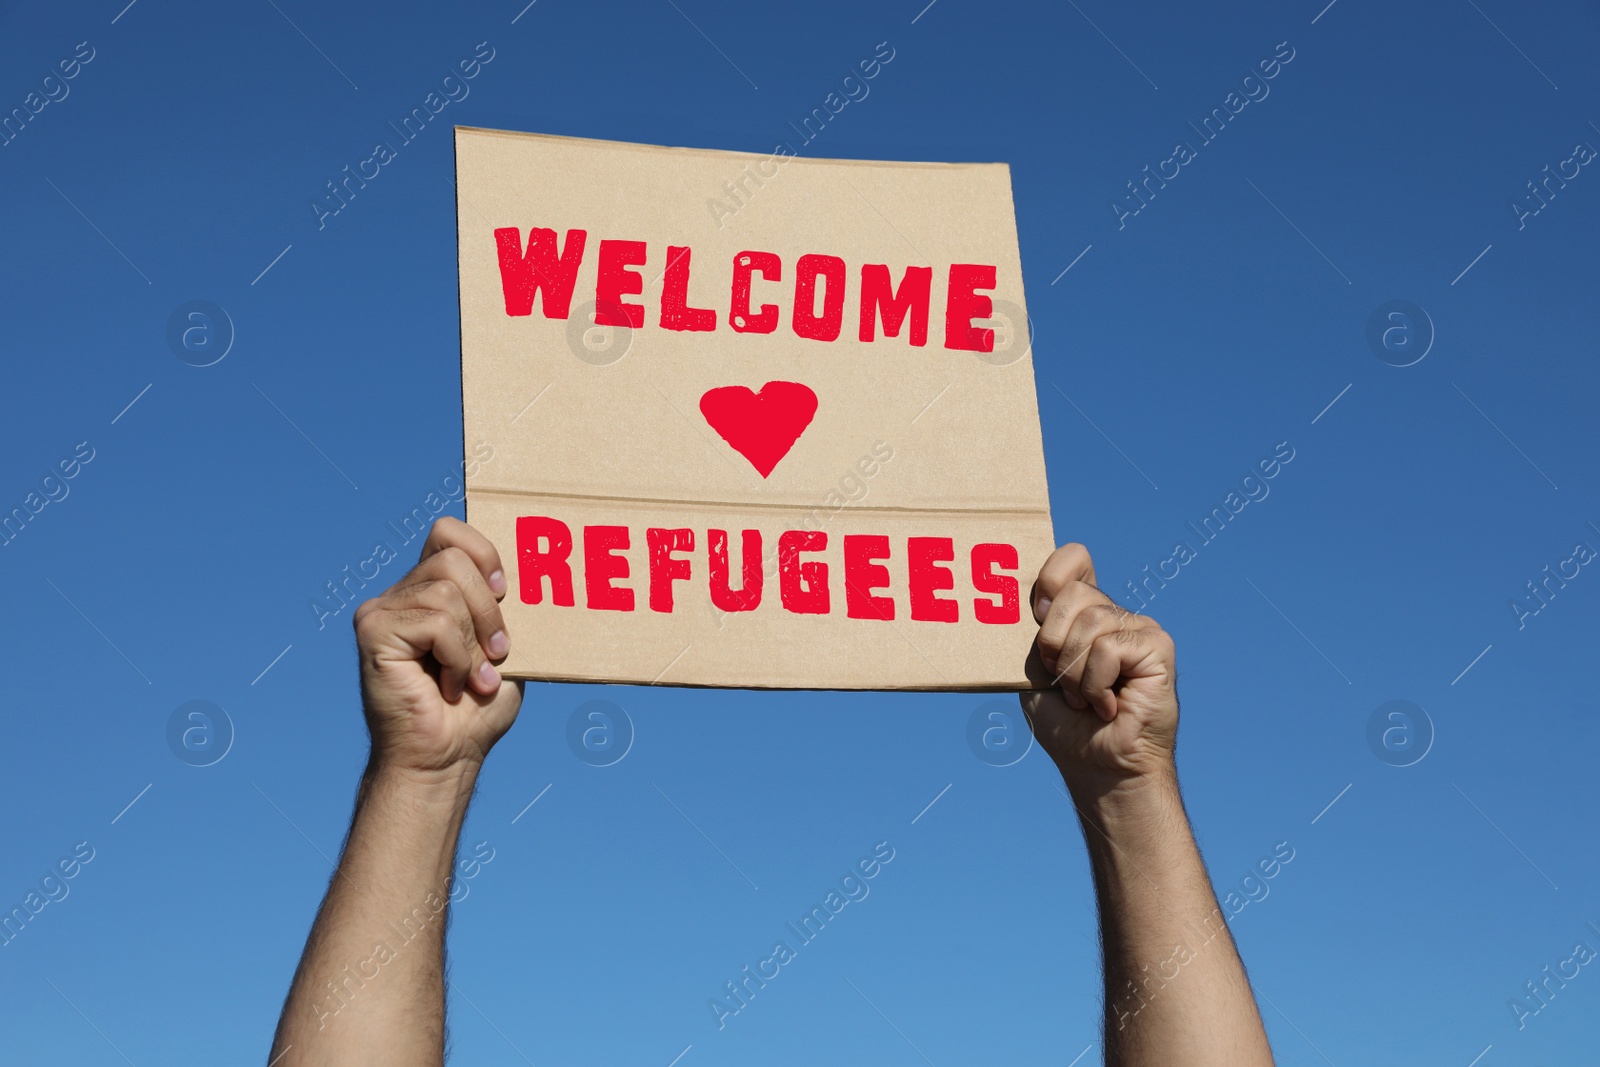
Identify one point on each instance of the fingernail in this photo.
(499, 644)
(1042, 608)
(488, 677)
(497, 582)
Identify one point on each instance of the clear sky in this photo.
(1381, 162)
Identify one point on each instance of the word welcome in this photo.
(1541, 994)
(544, 267)
(1210, 128)
(545, 559)
(1582, 153)
(1539, 596)
(384, 152)
(345, 591)
(1254, 488)
(55, 90)
(854, 888)
(54, 488)
(1253, 885)
(53, 888)
(1138, 993)
(855, 90)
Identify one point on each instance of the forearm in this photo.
(370, 986)
(1176, 991)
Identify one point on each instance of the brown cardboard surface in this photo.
(650, 427)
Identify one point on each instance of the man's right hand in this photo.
(433, 699)
(1176, 992)
(1112, 721)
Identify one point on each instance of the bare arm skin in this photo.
(1176, 991)
(370, 985)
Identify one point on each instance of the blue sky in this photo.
(1380, 163)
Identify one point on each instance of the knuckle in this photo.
(422, 617)
(1075, 556)
(1072, 594)
(1053, 631)
(1099, 614)
(1070, 601)
(454, 558)
(443, 594)
(365, 621)
(1116, 639)
(1062, 567)
(441, 627)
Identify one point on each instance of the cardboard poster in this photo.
(756, 421)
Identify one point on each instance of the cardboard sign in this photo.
(757, 421)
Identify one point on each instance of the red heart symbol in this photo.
(763, 426)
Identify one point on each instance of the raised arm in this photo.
(370, 985)
(1176, 992)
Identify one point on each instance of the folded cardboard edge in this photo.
(624, 503)
(576, 679)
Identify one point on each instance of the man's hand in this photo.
(1176, 992)
(1114, 718)
(433, 699)
(370, 986)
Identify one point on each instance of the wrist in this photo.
(446, 788)
(1131, 806)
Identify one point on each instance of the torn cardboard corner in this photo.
(757, 421)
